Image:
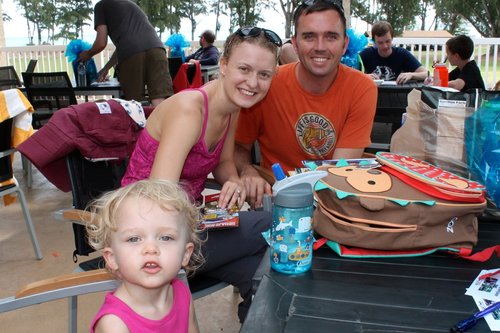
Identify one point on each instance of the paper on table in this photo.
(488, 288)
(486, 292)
(389, 83)
(492, 319)
(113, 83)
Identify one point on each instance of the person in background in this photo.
(140, 55)
(466, 75)
(316, 108)
(191, 134)
(147, 232)
(383, 61)
(207, 54)
(287, 53)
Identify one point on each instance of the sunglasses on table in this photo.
(256, 31)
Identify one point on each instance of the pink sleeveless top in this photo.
(177, 320)
(199, 163)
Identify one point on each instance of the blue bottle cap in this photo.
(279, 174)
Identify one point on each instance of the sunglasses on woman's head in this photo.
(255, 32)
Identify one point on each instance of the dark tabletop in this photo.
(419, 294)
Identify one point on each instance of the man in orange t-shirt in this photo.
(316, 108)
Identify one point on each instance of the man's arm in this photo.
(419, 75)
(103, 73)
(100, 42)
(255, 185)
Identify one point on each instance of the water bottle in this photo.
(291, 233)
(82, 74)
(440, 75)
(292, 208)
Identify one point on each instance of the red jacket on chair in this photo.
(82, 127)
(181, 80)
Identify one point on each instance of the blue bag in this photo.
(482, 133)
(73, 50)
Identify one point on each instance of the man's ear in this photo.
(188, 251)
(110, 259)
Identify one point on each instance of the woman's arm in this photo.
(233, 191)
(179, 128)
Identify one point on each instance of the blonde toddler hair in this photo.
(166, 194)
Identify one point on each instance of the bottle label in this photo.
(291, 240)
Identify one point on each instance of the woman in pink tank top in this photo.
(191, 134)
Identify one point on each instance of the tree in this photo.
(288, 8)
(245, 12)
(448, 20)
(72, 16)
(190, 9)
(32, 10)
(162, 14)
(400, 13)
(218, 7)
(484, 15)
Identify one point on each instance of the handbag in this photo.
(403, 206)
(182, 79)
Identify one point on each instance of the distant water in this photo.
(23, 41)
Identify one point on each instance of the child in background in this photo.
(466, 75)
(147, 231)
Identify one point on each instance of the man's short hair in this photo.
(461, 45)
(209, 36)
(312, 6)
(380, 28)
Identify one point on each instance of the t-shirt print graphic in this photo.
(385, 73)
(315, 134)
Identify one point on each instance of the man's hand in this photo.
(404, 77)
(84, 56)
(255, 187)
(102, 75)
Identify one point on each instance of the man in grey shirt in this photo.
(140, 54)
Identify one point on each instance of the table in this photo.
(113, 90)
(207, 71)
(420, 294)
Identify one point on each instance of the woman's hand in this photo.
(232, 193)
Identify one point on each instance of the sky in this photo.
(16, 31)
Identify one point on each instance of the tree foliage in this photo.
(245, 12)
(219, 8)
(400, 13)
(67, 16)
(163, 14)
(484, 15)
(191, 9)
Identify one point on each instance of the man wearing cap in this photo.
(207, 54)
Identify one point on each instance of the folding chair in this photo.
(48, 92)
(31, 66)
(68, 286)
(9, 78)
(10, 184)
